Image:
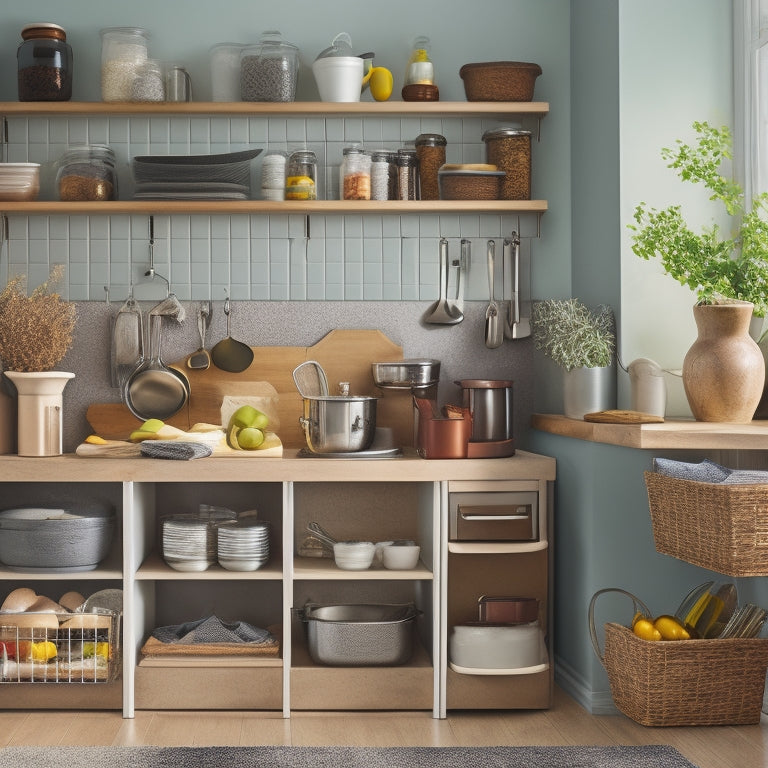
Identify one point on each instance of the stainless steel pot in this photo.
(490, 403)
(339, 423)
(406, 374)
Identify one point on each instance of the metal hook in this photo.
(150, 273)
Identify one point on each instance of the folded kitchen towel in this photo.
(705, 471)
(174, 449)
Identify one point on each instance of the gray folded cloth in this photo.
(705, 471)
(174, 449)
(212, 629)
(708, 472)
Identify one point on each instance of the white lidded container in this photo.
(496, 646)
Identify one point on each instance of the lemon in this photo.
(43, 651)
(95, 440)
(232, 437)
(381, 84)
(250, 438)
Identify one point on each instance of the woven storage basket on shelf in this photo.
(720, 527)
(686, 682)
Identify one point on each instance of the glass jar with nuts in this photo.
(87, 172)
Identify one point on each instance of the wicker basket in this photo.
(499, 80)
(686, 682)
(720, 527)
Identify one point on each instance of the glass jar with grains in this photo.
(355, 174)
(87, 172)
(123, 51)
(509, 149)
(430, 149)
(269, 69)
(45, 63)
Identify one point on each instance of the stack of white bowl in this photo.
(354, 555)
(19, 181)
(243, 546)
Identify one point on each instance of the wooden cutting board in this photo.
(345, 355)
(623, 417)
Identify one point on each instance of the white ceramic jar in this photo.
(496, 646)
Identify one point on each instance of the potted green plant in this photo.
(728, 272)
(582, 342)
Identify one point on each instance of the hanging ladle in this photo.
(443, 312)
(229, 354)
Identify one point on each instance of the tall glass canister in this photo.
(123, 52)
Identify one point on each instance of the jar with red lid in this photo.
(44, 63)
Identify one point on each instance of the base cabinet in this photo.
(377, 505)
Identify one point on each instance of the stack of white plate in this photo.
(243, 546)
(189, 544)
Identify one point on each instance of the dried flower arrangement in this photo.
(35, 330)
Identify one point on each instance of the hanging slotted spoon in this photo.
(229, 354)
(127, 341)
(201, 360)
(494, 329)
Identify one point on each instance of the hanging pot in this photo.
(723, 372)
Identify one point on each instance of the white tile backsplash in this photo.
(253, 257)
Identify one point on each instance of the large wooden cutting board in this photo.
(345, 355)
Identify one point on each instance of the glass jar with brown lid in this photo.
(44, 63)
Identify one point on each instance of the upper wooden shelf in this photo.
(671, 435)
(324, 207)
(288, 108)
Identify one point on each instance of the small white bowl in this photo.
(401, 557)
(354, 555)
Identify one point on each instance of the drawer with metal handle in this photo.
(493, 516)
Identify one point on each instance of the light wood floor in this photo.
(565, 723)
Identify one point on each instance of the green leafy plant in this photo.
(573, 335)
(714, 264)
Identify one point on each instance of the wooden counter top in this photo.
(290, 468)
(672, 434)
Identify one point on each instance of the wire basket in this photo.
(682, 682)
(60, 648)
(720, 527)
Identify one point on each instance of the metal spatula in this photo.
(310, 379)
(127, 342)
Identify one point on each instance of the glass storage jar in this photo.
(407, 175)
(430, 149)
(149, 83)
(269, 69)
(225, 71)
(355, 174)
(45, 63)
(381, 175)
(87, 172)
(301, 176)
(509, 149)
(123, 51)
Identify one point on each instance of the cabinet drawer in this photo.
(494, 516)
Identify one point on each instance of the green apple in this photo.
(248, 416)
(250, 438)
(151, 425)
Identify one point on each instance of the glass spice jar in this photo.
(45, 63)
(509, 149)
(87, 172)
(301, 176)
(380, 175)
(356, 175)
(407, 175)
(430, 149)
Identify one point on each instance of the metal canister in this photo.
(490, 404)
(509, 149)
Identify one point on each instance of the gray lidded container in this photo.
(360, 635)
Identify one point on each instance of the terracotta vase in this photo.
(723, 372)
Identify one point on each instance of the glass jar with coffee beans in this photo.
(430, 149)
(509, 149)
(45, 63)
